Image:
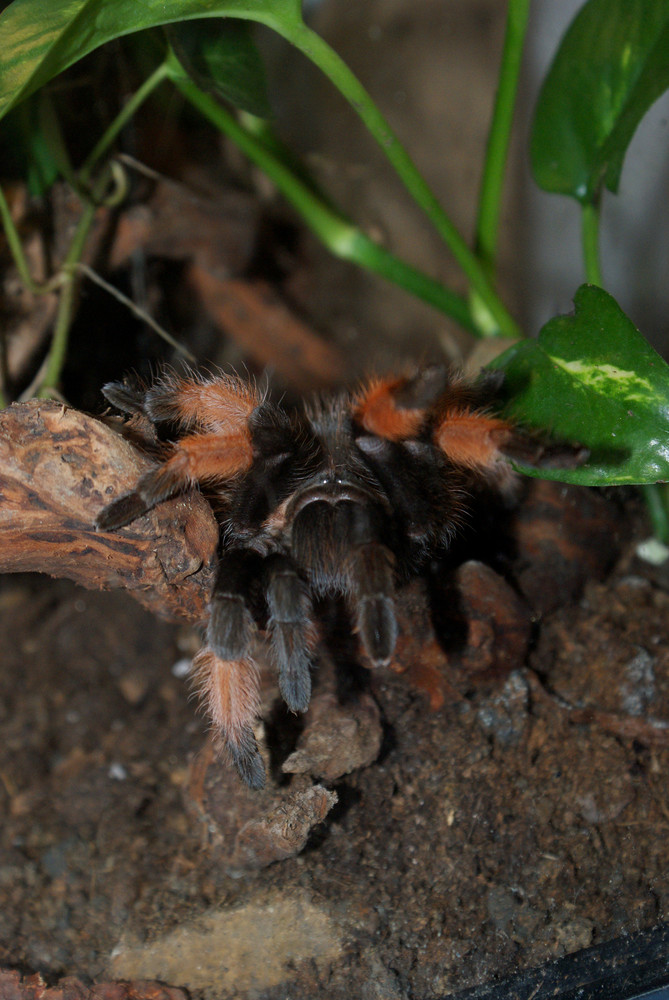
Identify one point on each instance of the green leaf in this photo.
(27, 149)
(221, 58)
(611, 66)
(592, 378)
(40, 39)
(34, 144)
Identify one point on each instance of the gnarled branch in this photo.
(58, 468)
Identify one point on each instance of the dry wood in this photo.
(15, 987)
(58, 468)
(267, 330)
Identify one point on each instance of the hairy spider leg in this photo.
(291, 629)
(220, 403)
(126, 398)
(120, 512)
(229, 691)
(472, 439)
(398, 408)
(196, 458)
(231, 626)
(376, 409)
(528, 450)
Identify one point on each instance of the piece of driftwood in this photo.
(13, 986)
(58, 468)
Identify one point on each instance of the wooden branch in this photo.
(58, 468)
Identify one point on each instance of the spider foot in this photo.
(292, 632)
(377, 627)
(293, 666)
(246, 758)
(121, 512)
(127, 398)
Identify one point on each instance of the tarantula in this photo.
(343, 498)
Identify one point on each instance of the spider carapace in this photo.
(344, 497)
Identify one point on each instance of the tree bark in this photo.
(58, 469)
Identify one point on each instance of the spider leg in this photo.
(225, 672)
(125, 397)
(218, 411)
(530, 449)
(372, 576)
(398, 408)
(231, 624)
(475, 440)
(229, 690)
(120, 512)
(292, 631)
(220, 403)
(370, 570)
(195, 458)
(395, 408)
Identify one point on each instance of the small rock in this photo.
(337, 739)
(241, 952)
(505, 714)
(252, 829)
(283, 832)
(134, 686)
(638, 687)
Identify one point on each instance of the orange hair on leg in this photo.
(210, 456)
(221, 403)
(229, 691)
(376, 409)
(197, 458)
(472, 439)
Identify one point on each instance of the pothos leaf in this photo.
(592, 378)
(40, 40)
(221, 58)
(611, 66)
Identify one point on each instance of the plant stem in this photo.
(590, 238)
(14, 243)
(123, 117)
(327, 60)
(338, 234)
(136, 311)
(68, 277)
(492, 182)
(657, 501)
(69, 282)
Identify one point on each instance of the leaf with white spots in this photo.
(592, 378)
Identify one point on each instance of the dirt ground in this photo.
(523, 818)
(496, 799)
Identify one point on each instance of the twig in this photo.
(136, 310)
